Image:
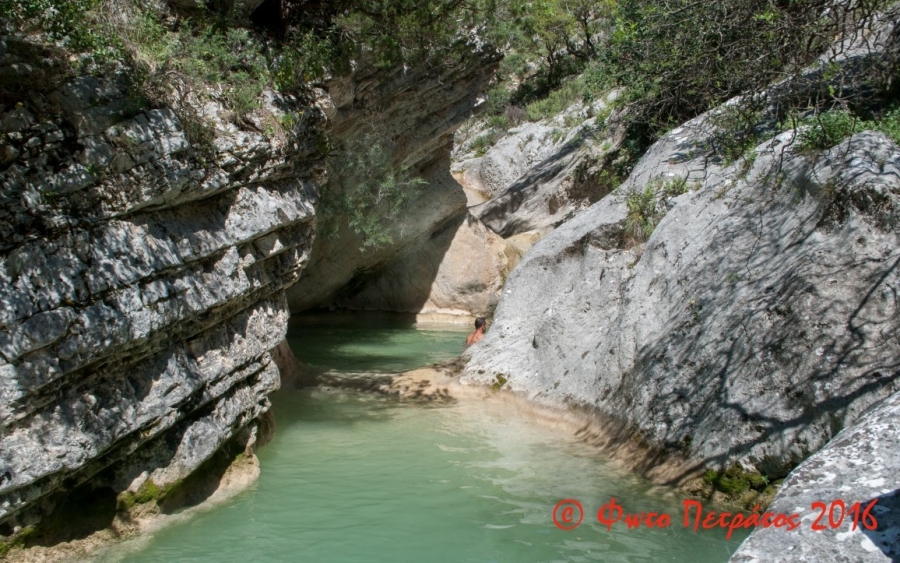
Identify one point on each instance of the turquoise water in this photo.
(357, 478)
(373, 343)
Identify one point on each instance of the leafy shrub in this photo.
(643, 213)
(513, 66)
(675, 187)
(484, 142)
(646, 208)
(826, 130)
(735, 131)
(65, 21)
(303, 58)
(367, 191)
(735, 481)
(829, 129)
(392, 32)
(571, 92)
(561, 35)
(681, 58)
(498, 98)
(500, 122)
(889, 124)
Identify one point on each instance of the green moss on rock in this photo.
(147, 493)
(18, 540)
(735, 481)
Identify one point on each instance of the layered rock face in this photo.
(418, 111)
(142, 284)
(540, 174)
(759, 318)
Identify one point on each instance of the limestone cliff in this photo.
(417, 111)
(144, 263)
(142, 282)
(758, 319)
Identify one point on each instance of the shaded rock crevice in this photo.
(416, 112)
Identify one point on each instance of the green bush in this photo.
(826, 130)
(643, 214)
(367, 191)
(393, 32)
(680, 58)
(675, 187)
(513, 66)
(214, 46)
(646, 208)
(735, 481)
(303, 58)
(561, 35)
(498, 98)
(499, 122)
(485, 141)
(571, 92)
(889, 124)
(735, 131)
(199, 55)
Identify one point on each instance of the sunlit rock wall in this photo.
(142, 282)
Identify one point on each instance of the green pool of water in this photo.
(374, 343)
(357, 478)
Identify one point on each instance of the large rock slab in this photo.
(540, 174)
(758, 320)
(858, 465)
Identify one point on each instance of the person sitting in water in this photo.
(480, 327)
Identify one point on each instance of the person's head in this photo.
(480, 323)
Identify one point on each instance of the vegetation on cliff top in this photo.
(311, 39)
(177, 56)
(674, 61)
(219, 48)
